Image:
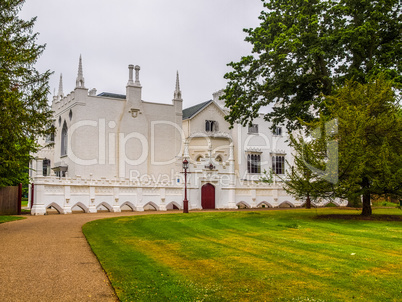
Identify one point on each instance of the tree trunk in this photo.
(308, 202)
(366, 211)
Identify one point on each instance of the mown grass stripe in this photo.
(250, 256)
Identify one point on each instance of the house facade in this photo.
(114, 151)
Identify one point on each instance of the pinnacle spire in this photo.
(60, 94)
(80, 82)
(177, 92)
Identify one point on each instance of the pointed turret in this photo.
(54, 99)
(80, 82)
(177, 92)
(60, 93)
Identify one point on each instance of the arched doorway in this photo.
(208, 196)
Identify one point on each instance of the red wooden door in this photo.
(208, 196)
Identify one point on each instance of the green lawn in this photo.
(384, 203)
(24, 202)
(251, 256)
(9, 218)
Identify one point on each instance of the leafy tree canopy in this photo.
(304, 48)
(358, 151)
(24, 112)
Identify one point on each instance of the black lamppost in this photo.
(185, 201)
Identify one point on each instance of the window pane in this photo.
(211, 126)
(46, 167)
(253, 128)
(278, 164)
(253, 163)
(278, 131)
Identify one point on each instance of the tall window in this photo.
(253, 128)
(64, 139)
(50, 137)
(278, 164)
(46, 167)
(254, 163)
(211, 126)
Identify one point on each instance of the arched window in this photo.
(50, 137)
(64, 139)
(211, 126)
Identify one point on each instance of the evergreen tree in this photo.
(366, 136)
(305, 178)
(303, 49)
(24, 111)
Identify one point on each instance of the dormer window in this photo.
(211, 126)
(253, 129)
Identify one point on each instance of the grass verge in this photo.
(251, 256)
(9, 218)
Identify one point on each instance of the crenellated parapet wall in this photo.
(89, 195)
(65, 194)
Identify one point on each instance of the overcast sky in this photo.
(197, 38)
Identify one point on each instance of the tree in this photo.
(24, 111)
(366, 133)
(303, 49)
(305, 180)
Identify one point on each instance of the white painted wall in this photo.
(129, 152)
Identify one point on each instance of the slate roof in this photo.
(112, 95)
(190, 112)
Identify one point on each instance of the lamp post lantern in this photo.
(185, 201)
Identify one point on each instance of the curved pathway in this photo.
(47, 258)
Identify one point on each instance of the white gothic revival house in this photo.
(118, 151)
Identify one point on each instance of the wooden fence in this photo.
(10, 200)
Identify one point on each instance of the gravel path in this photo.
(47, 258)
